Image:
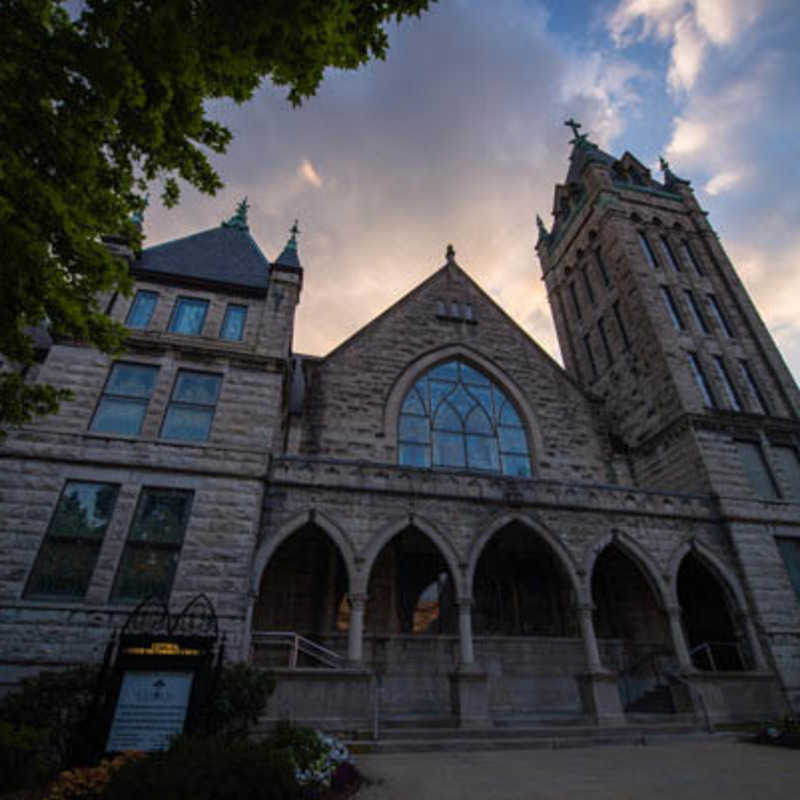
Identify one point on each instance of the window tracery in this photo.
(455, 416)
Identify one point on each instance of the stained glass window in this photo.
(233, 325)
(188, 316)
(125, 398)
(454, 416)
(151, 553)
(141, 309)
(191, 409)
(70, 548)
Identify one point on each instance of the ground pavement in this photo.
(704, 769)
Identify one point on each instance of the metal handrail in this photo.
(299, 644)
(708, 649)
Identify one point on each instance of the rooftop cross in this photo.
(450, 254)
(570, 123)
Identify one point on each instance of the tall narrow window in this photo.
(699, 320)
(588, 284)
(589, 355)
(468, 314)
(188, 316)
(757, 398)
(233, 324)
(191, 409)
(455, 310)
(148, 562)
(601, 327)
(789, 548)
(141, 309)
(730, 389)
(716, 311)
(672, 309)
(454, 416)
(575, 302)
(702, 383)
(690, 259)
(620, 324)
(602, 266)
(648, 251)
(69, 551)
(786, 456)
(125, 398)
(756, 468)
(668, 254)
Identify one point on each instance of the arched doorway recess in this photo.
(525, 628)
(712, 636)
(411, 626)
(632, 631)
(303, 590)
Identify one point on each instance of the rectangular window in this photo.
(716, 310)
(574, 296)
(789, 548)
(702, 383)
(757, 398)
(188, 316)
(233, 324)
(125, 398)
(699, 320)
(141, 309)
(191, 409)
(730, 389)
(689, 258)
(588, 285)
(786, 456)
(756, 468)
(69, 551)
(587, 344)
(620, 325)
(602, 267)
(148, 562)
(648, 251)
(672, 309)
(601, 326)
(668, 254)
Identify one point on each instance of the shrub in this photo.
(23, 756)
(210, 768)
(61, 703)
(238, 700)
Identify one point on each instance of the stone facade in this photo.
(633, 556)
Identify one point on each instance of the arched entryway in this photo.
(712, 637)
(524, 623)
(410, 624)
(632, 630)
(303, 590)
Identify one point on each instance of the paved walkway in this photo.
(705, 770)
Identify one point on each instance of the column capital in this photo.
(465, 603)
(585, 608)
(357, 600)
(674, 610)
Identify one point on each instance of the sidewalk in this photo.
(705, 770)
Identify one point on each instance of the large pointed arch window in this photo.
(454, 416)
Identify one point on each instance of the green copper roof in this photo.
(289, 257)
(239, 219)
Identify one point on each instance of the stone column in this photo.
(247, 628)
(678, 639)
(759, 661)
(355, 633)
(593, 662)
(465, 630)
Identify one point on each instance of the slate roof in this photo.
(225, 255)
(583, 152)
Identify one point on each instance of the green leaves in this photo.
(95, 106)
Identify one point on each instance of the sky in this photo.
(458, 137)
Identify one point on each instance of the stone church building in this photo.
(435, 520)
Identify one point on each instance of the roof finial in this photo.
(137, 217)
(288, 257)
(450, 254)
(239, 219)
(579, 137)
(663, 164)
(294, 230)
(543, 233)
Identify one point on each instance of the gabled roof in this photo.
(583, 152)
(225, 256)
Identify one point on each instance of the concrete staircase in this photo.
(413, 737)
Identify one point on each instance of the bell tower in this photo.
(652, 319)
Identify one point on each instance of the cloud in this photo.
(306, 170)
(723, 181)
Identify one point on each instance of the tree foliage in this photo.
(99, 98)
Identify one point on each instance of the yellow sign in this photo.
(162, 649)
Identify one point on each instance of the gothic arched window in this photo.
(454, 416)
